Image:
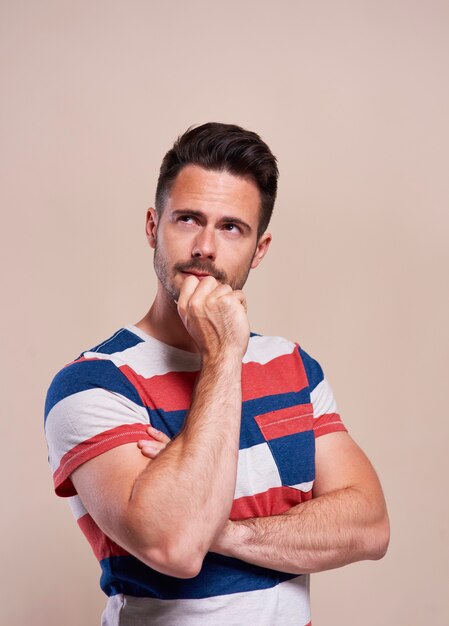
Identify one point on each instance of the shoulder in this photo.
(92, 405)
(98, 366)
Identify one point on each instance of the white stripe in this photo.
(305, 487)
(146, 361)
(85, 414)
(264, 349)
(256, 471)
(323, 399)
(286, 604)
(77, 507)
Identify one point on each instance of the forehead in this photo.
(198, 188)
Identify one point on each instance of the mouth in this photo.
(197, 274)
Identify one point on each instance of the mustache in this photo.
(201, 268)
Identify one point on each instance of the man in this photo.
(247, 480)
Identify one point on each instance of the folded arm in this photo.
(346, 521)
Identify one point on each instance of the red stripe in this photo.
(328, 423)
(271, 502)
(102, 546)
(283, 374)
(287, 421)
(173, 391)
(108, 439)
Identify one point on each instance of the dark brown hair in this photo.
(223, 147)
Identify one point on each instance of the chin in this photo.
(173, 293)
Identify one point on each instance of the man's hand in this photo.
(215, 316)
(151, 449)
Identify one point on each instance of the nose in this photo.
(204, 245)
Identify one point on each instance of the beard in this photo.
(166, 275)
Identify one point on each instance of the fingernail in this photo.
(155, 430)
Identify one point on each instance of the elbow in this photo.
(173, 562)
(383, 541)
(379, 540)
(167, 553)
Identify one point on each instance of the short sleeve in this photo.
(90, 407)
(326, 417)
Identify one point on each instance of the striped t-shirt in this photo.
(108, 395)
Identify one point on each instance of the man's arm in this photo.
(346, 521)
(169, 510)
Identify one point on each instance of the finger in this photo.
(157, 434)
(187, 288)
(205, 285)
(151, 442)
(220, 290)
(206, 288)
(149, 452)
(240, 296)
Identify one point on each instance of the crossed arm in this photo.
(346, 520)
(170, 510)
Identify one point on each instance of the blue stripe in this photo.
(84, 375)
(220, 575)
(295, 457)
(169, 422)
(313, 369)
(119, 341)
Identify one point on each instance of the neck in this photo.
(162, 322)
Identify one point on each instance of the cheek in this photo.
(179, 244)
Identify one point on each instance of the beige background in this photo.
(353, 98)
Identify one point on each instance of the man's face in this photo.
(208, 225)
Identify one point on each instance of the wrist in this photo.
(232, 537)
(228, 359)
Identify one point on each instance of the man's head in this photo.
(214, 199)
(223, 147)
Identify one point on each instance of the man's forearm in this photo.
(323, 533)
(187, 491)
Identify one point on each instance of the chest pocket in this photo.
(290, 437)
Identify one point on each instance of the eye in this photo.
(184, 218)
(236, 229)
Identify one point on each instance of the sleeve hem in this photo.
(91, 448)
(328, 423)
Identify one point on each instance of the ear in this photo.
(151, 226)
(261, 249)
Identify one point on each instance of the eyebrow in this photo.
(223, 220)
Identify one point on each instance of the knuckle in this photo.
(224, 287)
(194, 305)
